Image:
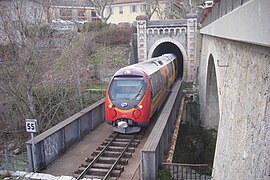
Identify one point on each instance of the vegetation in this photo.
(50, 75)
(164, 174)
(195, 145)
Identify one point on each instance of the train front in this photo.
(127, 102)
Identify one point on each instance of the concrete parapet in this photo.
(153, 152)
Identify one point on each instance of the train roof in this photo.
(154, 64)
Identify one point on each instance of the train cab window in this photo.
(130, 88)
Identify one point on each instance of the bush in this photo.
(93, 26)
(165, 174)
(114, 36)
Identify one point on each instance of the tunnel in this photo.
(168, 47)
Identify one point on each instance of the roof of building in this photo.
(73, 3)
(87, 3)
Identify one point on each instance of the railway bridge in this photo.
(232, 73)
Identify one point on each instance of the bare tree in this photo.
(103, 9)
(151, 7)
(22, 29)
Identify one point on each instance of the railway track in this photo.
(108, 161)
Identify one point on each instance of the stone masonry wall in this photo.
(243, 85)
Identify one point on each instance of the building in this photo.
(127, 10)
(123, 11)
(72, 10)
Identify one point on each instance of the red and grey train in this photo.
(135, 92)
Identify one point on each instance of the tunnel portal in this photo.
(168, 47)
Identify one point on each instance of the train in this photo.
(137, 91)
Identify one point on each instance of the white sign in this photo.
(31, 125)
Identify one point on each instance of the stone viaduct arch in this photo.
(212, 115)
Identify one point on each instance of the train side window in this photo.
(159, 79)
(152, 87)
(153, 82)
(170, 69)
(160, 62)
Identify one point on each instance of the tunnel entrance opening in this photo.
(168, 47)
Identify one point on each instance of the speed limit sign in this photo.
(31, 125)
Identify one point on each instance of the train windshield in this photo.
(131, 88)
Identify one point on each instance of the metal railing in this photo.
(222, 8)
(186, 171)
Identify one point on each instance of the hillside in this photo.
(70, 67)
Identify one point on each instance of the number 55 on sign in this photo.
(31, 125)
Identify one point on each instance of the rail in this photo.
(222, 8)
(109, 159)
(54, 142)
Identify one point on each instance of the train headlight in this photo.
(136, 113)
(140, 106)
(113, 113)
(111, 106)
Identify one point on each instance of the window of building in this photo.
(66, 14)
(143, 7)
(81, 14)
(133, 8)
(120, 10)
(93, 14)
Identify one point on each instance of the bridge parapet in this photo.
(52, 143)
(240, 20)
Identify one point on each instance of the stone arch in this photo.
(181, 55)
(212, 115)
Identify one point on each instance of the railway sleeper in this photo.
(109, 160)
(125, 136)
(103, 172)
(112, 154)
(118, 140)
(121, 144)
(118, 149)
(108, 166)
(92, 177)
(98, 177)
(104, 166)
(121, 140)
(89, 159)
(139, 136)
